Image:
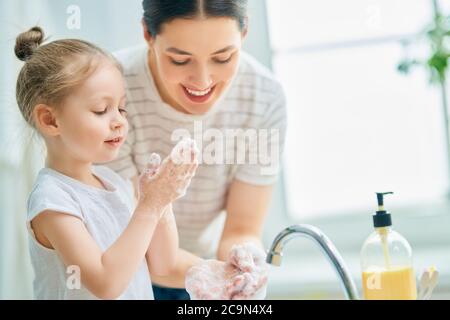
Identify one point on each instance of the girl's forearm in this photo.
(121, 261)
(163, 249)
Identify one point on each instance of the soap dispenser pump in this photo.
(386, 260)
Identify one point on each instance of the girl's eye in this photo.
(179, 63)
(101, 112)
(121, 110)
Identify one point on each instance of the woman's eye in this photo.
(179, 63)
(101, 112)
(223, 60)
(121, 110)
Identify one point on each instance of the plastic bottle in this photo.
(386, 261)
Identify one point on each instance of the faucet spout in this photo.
(275, 254)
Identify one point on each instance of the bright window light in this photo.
(356, 126)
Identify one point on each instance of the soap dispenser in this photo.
(386, 261)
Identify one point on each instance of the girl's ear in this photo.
(45, 120)
(147, 36)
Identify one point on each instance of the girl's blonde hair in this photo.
(52, 71)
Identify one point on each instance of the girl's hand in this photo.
(162, 183)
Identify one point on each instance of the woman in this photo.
(191, 76)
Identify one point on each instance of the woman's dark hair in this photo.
(158, 12)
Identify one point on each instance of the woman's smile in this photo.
(198, 96)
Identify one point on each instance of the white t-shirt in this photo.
(253, 100)
(106, 213)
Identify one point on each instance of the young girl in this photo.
(88, 238)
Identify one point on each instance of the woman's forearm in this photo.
(185, 260)
(229, 240)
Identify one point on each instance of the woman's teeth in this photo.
(198, 93)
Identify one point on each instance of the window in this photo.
(356, 126)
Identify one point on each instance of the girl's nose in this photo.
(118, 121)
(116, 125)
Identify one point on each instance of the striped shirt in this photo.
(253, 101)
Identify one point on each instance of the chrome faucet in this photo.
(276, 252)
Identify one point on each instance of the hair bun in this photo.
(27, 42)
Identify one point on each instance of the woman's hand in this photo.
(251, 260)
(211, 280)
(243, 276)
(162, 183)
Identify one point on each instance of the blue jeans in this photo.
(162, 293)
